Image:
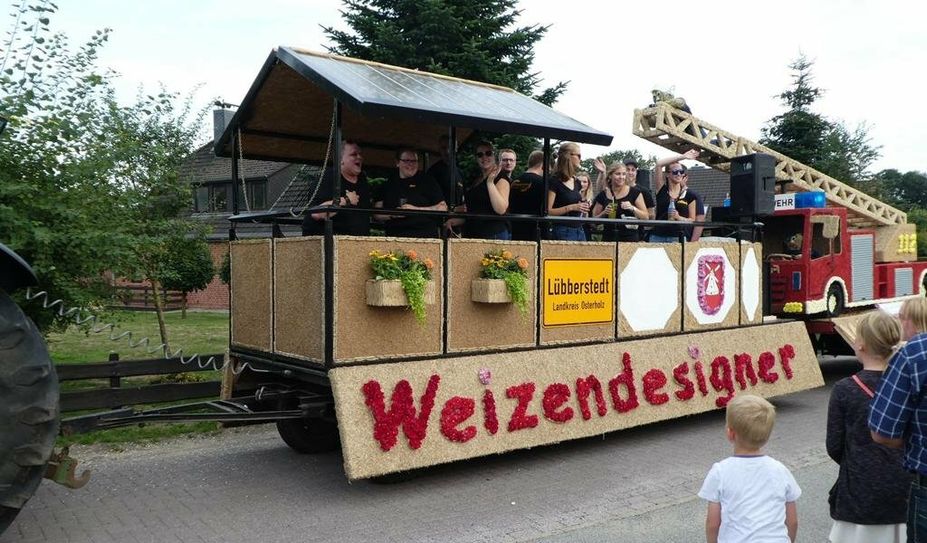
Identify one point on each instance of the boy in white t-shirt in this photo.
(751, 497)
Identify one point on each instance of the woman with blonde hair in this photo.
(618, 199)
(563, 195)
(913, 317)
(867, 502)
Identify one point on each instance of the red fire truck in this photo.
(817, 265)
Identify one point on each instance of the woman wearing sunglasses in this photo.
(563, 196)
(674, 202)
(488, 195)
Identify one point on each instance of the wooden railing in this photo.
(119, 394)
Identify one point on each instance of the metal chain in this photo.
(328, 151)
(244, 190)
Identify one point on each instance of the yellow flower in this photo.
(484, 262)
(507, 255)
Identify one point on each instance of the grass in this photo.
(200, 332)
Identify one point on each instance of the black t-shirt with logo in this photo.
(526, 197)
(681, 203)
(619, 232)
(419, 190)
(353, 224)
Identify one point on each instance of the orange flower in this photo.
(507, 255)
(522, 263)
(411, 254)
(428, 263)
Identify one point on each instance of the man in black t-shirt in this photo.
(354, 192)
(414, 190)
(526, 197)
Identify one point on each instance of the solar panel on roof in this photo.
(283, 117)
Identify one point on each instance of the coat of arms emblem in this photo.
(710, 283)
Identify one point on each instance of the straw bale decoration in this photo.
(649, 288)
(577, 291)
(367, 332)
(477, 326)
(252, 298)
(299, 298)
(405, 415)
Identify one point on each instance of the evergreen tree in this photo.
(476, 40)
(467, 39)
(816, 141)
(799, 133)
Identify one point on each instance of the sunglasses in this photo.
(678, 172)
(481, 154)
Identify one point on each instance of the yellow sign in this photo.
(578, 291)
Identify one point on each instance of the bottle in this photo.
(612, 209)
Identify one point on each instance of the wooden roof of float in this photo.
(287, 114)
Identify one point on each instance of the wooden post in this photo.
(228, 377)
(114, 380)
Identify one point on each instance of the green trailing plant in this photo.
(513, 270)
(410, 270)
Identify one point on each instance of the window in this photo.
(217, 197)
(257, 194)
(211, 198)
(821, 246)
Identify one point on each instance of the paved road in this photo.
(246, 485)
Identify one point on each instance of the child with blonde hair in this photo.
(751, 497)
(868, 500)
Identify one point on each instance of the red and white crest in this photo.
(710, 283)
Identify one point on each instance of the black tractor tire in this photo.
(309, 435)
(28, 409)
(834, 301)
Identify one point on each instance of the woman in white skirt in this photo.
(868, 501)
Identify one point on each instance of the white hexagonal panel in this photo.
(750, 285)
(649, 289)
(710, 284)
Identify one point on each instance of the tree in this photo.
(466, 38)
(87, 186)
(621, 155)
(189, 267)
(54, 211)
(904, 190)
(469, 39)
(814, 140)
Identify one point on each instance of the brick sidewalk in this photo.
(246, 485)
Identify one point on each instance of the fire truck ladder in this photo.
(680, 131)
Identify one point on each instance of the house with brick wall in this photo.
(261, 185)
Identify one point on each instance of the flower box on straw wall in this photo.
(389, 293)
(489, 291)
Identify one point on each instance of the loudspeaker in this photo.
(753, 185)
(643, 179)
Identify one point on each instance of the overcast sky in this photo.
(728, 59)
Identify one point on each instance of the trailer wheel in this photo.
(835, 301)
(309, 435)
(28, 409)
